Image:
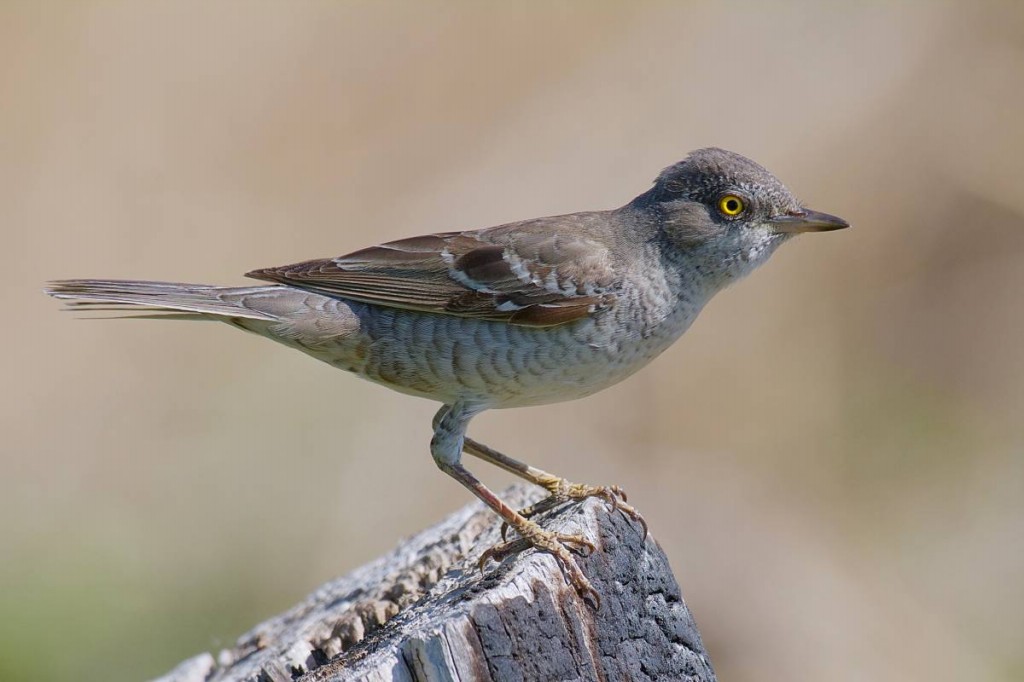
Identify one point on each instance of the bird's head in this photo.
(725, 209)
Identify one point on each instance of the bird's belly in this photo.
(497, 365)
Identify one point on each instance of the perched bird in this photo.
(527, 313)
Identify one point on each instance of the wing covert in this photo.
(532, 277)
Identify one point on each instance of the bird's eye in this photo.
(731, 205)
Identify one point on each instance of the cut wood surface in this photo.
(425, 612)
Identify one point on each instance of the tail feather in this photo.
(157, 299)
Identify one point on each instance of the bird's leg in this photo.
(446, 448)
(561, 490)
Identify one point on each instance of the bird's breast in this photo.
(497, 364)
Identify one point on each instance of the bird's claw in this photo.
(549, 542)
(559, 545)
(563, 491)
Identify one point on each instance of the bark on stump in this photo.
(425, 613)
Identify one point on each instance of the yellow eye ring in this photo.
(731, 205)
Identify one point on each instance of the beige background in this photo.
(833, 457)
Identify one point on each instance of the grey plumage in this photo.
(527, 313)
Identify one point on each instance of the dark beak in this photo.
(806, 220)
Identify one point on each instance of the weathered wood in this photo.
(424, 612)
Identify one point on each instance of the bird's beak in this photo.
(806, 220)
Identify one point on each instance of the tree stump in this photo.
(424, 612)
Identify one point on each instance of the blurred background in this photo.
(833, 456)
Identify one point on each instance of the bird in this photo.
(527, 313)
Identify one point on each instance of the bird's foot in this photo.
(559, 545)
(563, 491)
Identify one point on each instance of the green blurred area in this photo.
(833, 456)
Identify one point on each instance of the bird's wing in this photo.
(533, 277)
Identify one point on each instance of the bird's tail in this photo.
(162, 299)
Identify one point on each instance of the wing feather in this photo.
(530, 274)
